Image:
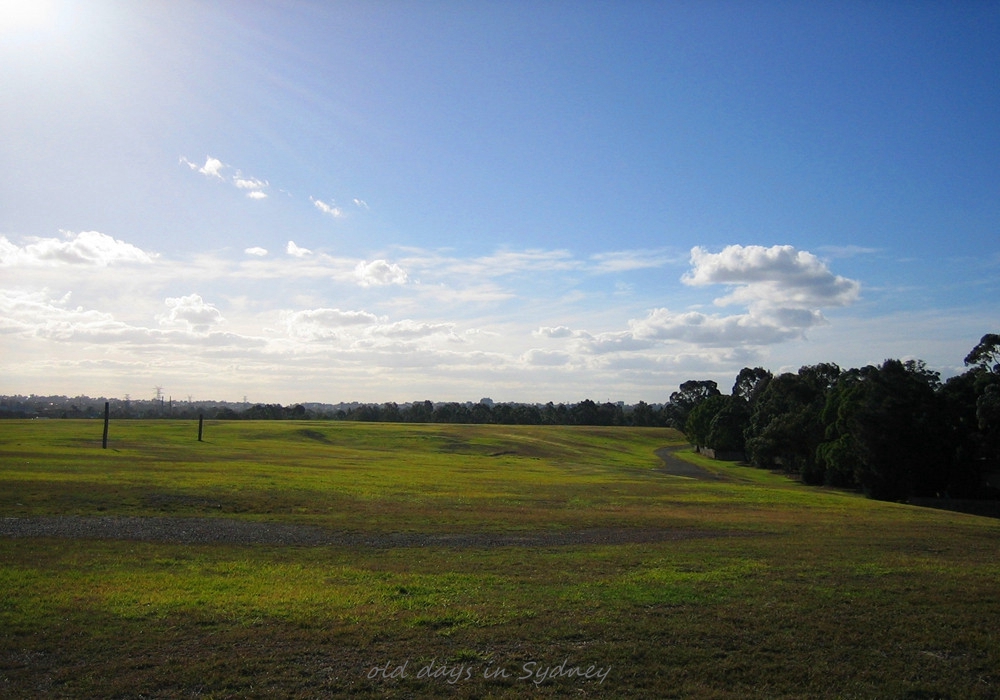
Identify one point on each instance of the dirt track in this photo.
(675, 466)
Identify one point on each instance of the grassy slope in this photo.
(808, 592)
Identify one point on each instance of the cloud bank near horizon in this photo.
(425, 319)
(313, 325)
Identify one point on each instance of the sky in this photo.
(395, 200)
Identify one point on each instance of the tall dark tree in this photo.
(988, 409)
(888, 425)
(527, 414)
(689, 395)
(390, 412)
(836, 456)
(785, 426)
(699, 420)
(610, 414)
(725, 434)
(481, 413)
(750, 383)
(642, 415)
(986, 354)
(963, 434)
(451, 412)
(985, 362)
(584, 413)
(420, 412)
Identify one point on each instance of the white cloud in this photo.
(408, 329)
(192, 312)
(612, 342)
(557, 332)
(782, 289)
(255, 186)
(779, 275)
(212, 168)
(33, 316)
(331, 209)
(360, 203)
(379, 272)
(546, 358)
(32, 312)
(363, 330)
(296, 251)
(726, 331)
(316, 324)
(92, 335)
(248, 183)
(8, 251)
(533, 332)
(84, 248)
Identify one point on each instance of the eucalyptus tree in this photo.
(884, 426)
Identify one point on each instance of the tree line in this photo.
(894, 430)
(586, 412)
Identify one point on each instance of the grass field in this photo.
(764, 589)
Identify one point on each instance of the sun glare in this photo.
(24, 15)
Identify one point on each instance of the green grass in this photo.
(804, 592)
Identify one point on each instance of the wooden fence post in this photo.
(107, 415)
(201, 422)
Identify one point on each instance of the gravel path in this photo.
(243, 532)
(674, 466)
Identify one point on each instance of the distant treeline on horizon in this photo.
(894, 431)
(585, 412)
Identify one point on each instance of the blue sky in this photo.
(314, 201)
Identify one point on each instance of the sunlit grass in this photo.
(802, 592)
(337, 474)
